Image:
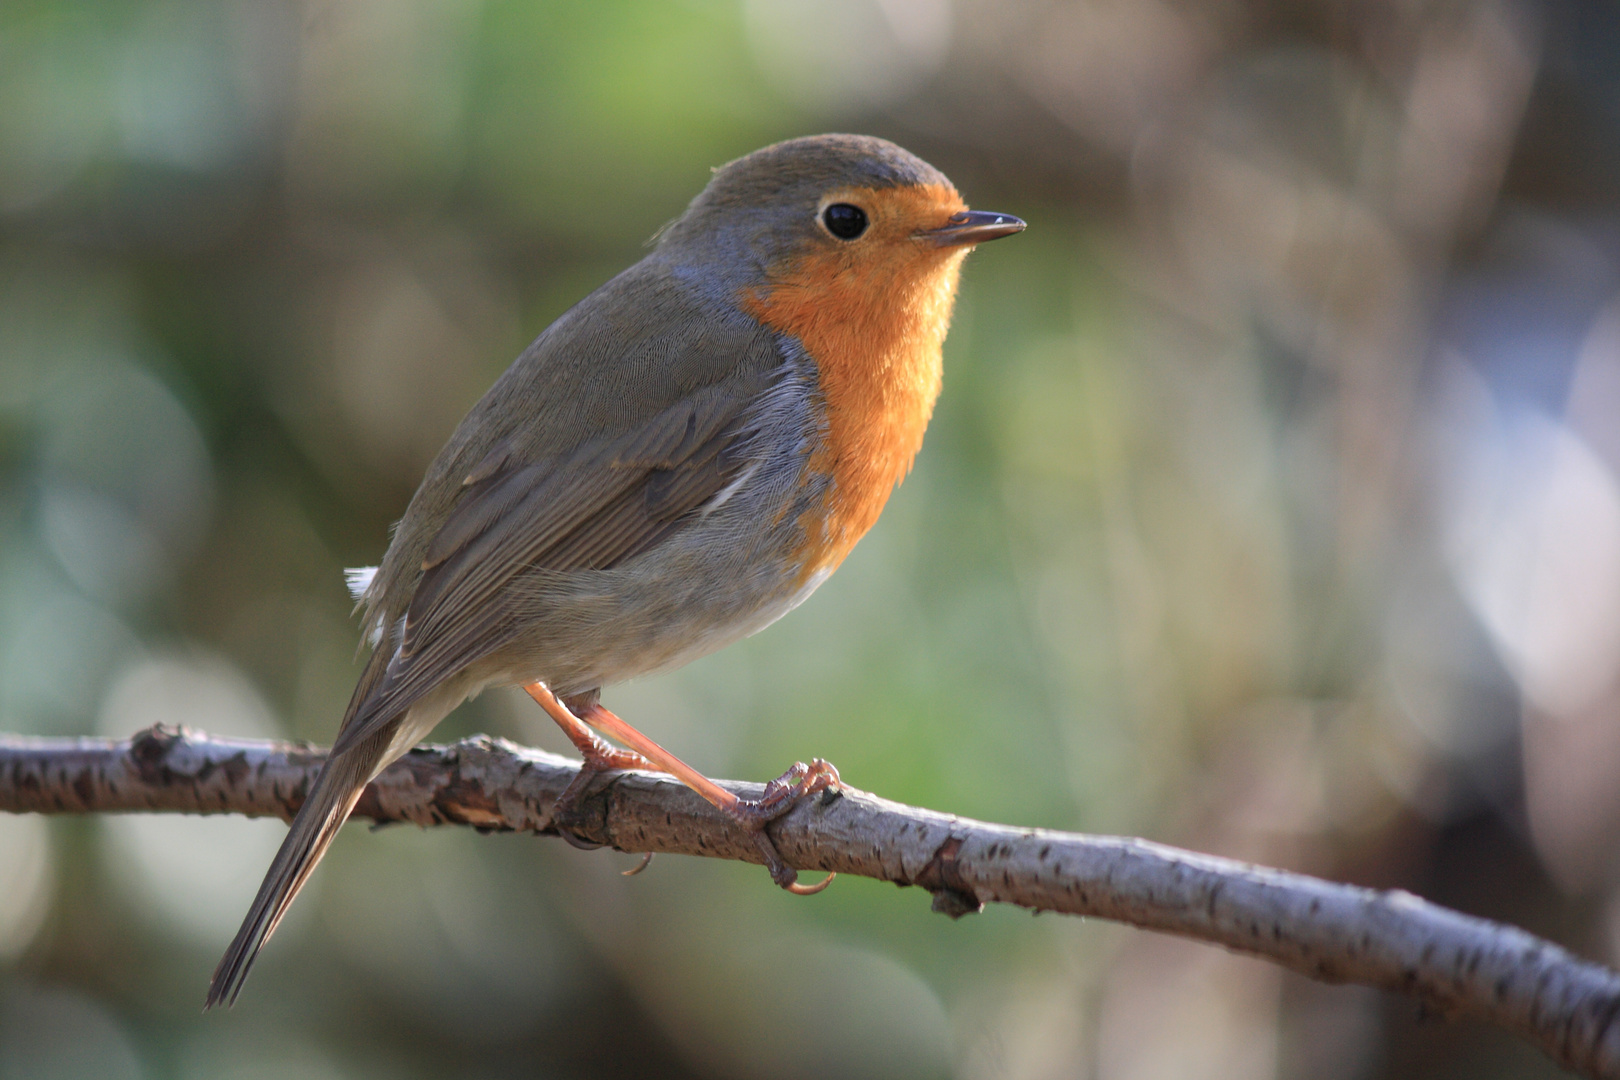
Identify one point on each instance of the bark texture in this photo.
(1453, 963)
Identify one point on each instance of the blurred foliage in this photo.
(1271, 509)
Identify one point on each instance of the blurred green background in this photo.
(1272, 508)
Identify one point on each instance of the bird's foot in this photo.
(779, 797)
(578, 715)
(599, 757)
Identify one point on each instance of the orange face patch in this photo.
(872, 313)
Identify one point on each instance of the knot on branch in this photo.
(163, 755)
(149, 750)
(942, 876)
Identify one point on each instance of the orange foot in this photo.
(779, 796)
(599, 756)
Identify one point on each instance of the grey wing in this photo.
(608, 500)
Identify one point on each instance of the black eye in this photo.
(844, 221)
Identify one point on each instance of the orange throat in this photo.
(874, 325)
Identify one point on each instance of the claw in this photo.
(810, 890)
(563, 808)
(574, 840)
(646, 860)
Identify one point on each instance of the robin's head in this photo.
(850, 206)
(850, 247)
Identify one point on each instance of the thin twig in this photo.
(1453, 963)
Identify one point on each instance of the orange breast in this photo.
(873, 318)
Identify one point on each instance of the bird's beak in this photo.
(972, 227)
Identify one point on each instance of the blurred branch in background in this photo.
(1451, 963)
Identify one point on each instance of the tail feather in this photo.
(336, 791)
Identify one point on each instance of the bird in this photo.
(676, 462)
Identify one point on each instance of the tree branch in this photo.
(1452, 963)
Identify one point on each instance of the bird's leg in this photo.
(599, 756)
(753, 814)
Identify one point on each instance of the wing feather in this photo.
(606, 502)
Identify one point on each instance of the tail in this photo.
(336, 790)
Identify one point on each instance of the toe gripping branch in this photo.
(779, 796)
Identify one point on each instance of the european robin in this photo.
(674, 464)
